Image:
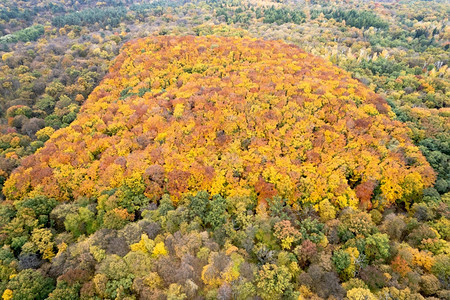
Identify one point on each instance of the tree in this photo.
(400, 265)
(114, 267)
(30, 284)
(357, 222)
(394, 226)
(165, 205)
(373, 277)
(354, 283)
(198, 204)
(286, 233)
(312, 230)
(131, 193)
(213, 272)
(306, 252)
(420, 233)
(360, 293)
(42, 242)
(175, 292)
(64, 291)
(326, 210)
(273, 281)
(441, 267)
(235, 162)
(81, 222)
(41, 205)
(342, 261)
(323, 283)
(217, 214)
(429, 284)
(159, 250)
(377, 247)
(33, 125)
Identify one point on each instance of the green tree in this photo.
(217, 214)
(30, 285)
(165, 205)
(377, 246)
(64, 291)
(41, 205)
(82, 222)
(341, 260)
(198, 205)
(441, 267)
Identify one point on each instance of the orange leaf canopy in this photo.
(239, 117)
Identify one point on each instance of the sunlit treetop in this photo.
(239, 117)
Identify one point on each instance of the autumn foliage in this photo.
(233, 117)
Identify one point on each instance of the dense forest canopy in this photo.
(233, 117)
(173, 149)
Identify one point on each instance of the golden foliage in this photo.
(7, 294)
(227, 115)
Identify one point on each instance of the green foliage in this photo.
(404, 57)
(355, 18)
(383, 66)
(119, 288)
(19, 110)
(217, 214)
(114, 267)
(341, 260)
(30, 285)
(41, 206)
(437, 153)
(131, 195)
(278, 207)
(7, 212)
(64, 291)
(165, 205)
(245, 290)
(174, 219)
(198, 205)
(233, 16)
(312, 229)
(377, 246)
(25, 35)
(81, 222)
(116, 218)
(9, 13)
(103, 16)
(6, 256)
(283, 15)
(441, 267)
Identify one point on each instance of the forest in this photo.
(231, 149)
